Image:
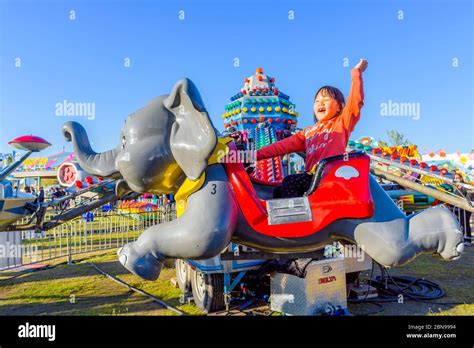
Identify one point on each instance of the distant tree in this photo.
(395, 138)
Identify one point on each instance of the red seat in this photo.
(343, 192)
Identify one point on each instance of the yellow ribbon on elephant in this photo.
(188, 187)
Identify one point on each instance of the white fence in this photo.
(93, 232)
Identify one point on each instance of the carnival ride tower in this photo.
(259, 115)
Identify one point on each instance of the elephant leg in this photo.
(396, 242)
(438, 231)
(202, 231)
(392, 239)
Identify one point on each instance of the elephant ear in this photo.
(193, 137)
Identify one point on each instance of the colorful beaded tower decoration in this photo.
(259, 101)
(260, 114)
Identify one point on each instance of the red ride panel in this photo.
(268, 172)
(335, 198)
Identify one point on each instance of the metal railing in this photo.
(94, 231)
(466, 221)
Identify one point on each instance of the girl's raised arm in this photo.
(355, 100)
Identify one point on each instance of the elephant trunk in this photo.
(100, 164)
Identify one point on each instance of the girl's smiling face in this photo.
(458, 178)
(325, 107)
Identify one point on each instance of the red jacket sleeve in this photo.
(295, 143)
(351, 112)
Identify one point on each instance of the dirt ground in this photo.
(456, 278)
(79, 290)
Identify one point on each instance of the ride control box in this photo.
(321, 292)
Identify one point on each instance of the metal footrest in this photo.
(288, 210)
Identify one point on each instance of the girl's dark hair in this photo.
(460, 175)
(332, 92)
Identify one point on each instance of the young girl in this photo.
(335, 121)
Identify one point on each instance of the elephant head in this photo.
(171, 138)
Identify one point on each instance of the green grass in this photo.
(125, 228)
(52, 291)
(464, 309)
(49, 292)
(455, 277)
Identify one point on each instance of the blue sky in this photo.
(82, 60)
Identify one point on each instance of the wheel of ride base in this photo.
(208, 291)
(183, 275)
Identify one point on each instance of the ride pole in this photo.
(69, 245)
(444, 197)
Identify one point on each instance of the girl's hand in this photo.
(362, 65)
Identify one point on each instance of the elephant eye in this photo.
(124, 142)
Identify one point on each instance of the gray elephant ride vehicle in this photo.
(171, 146)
